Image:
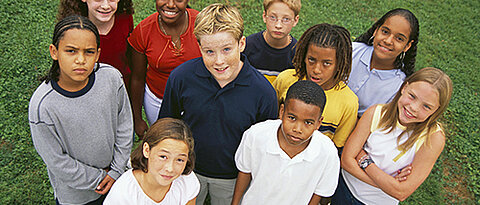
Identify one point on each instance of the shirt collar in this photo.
(243, 77)
(382, 74)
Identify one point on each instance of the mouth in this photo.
(295, 139)
(408, 114)
(166, 177)
(170, 14)
(278, 33)
(221, 70)
(104, 12)
(384, 49)
(80, 70)
(315, 79)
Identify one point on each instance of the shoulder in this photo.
(186, 185)
(123, 17)
(188, 68)
(193, 13)
(254, 37)
(149, 21)
(260, 133)
(324, 143)
(357, 46)
(37, 99)
(107, 71)
(285, 79)
(123, 190)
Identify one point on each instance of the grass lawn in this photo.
(449, 33)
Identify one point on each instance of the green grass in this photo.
(448, 40)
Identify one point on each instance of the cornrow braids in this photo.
(408, 64)
(68, 23)
(78, 7)
(326, 36)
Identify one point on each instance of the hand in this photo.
(140, 127)
(105, 185)
(403, 173)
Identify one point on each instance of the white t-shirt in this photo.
(126, 190)
(279, 179)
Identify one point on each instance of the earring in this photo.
(402, 56)
(370, 41)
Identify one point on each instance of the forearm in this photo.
(351, 166)
(243, 180)
(388, 184)
(315, 200)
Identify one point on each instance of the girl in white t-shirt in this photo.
(162, 168)
(390, 137)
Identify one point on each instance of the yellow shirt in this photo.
(339, 114)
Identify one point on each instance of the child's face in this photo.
(419, 100)
(321, 65)
(221, 55)
(171, 10)
(280, 20)
(77, 54)
(166, 160)
(101, 10)
(299, 121)
(391, 38)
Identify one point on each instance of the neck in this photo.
(104, 27)
(149, 186)
(381, 64)
(277, 43)
(72, 86)
(176, 28)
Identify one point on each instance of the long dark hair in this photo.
(408, 64)
(70, 22)
(325, 36)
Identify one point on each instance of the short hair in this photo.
(65, 24)
(326, 36)
(308, 92)
(408, 63)
(219, 18)
(165, 128)
(294, 5)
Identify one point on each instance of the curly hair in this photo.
(408, 64)
(78, 7)
(325, 36)
(70, 22)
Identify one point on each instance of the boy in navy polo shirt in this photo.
(219, 96)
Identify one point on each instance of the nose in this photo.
(219, 59)
(389, 39)
(170, 4)
(297, 128)
(278, 23)
(80, 58)
(169, 166)
(104, 4)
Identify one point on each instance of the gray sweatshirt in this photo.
(79, 134)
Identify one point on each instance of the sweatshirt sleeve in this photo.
(171, 104)
(65, 168)
(124, 135)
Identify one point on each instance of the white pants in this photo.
(151, 105)
(220, 190)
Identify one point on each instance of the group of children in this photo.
(356, 124)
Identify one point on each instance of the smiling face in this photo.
(280, 20)
(101, 10)
(299, 121)
(221, 55)
(76, 55)
(419, 100)
(166, 161)
(321, 65)
(171, 11)
(391, 39)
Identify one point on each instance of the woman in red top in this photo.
(160, 43)
(113, 19)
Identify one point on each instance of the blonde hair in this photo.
(219, 18)
(295, 5)
(442, 83)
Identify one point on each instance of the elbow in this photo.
(401, 195)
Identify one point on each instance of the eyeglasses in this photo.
(274, 19)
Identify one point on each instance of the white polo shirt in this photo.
(279, 179)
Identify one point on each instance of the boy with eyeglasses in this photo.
(271, 51)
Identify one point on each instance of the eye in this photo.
(308, 122)
(427, 107)
(384, 31)
(180, 160)
(70, 51)
(327, 63)
(90, 52)
(286, 20)
(291, 117)
(209, 52)
(311, 60)
(411, 96)
(163, 156)
(227, 49)
(401, 39)
(272, 18)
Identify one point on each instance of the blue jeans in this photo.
(343, 195)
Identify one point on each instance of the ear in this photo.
(281, 111)
(53, 52)
(264, 16)
(146, 150)
(98, 54)
(84, 1)
(319, 123)
(409, 44)
(242, 43)
(295, 20)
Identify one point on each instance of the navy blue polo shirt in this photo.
(217, 116)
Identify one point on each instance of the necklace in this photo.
(176, 42)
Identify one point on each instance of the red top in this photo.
(162, 57)
(114, 44)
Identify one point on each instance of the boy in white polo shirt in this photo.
(288, 161)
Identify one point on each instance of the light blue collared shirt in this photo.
(371, 86)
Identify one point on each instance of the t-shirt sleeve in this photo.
(136, 39)
(193, 186)
(328, 181)
(120, 194)
(243, 153)
(347, 122)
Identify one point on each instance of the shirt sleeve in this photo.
(347, 123)
(243, 154)
(327, 183)
(193, 186)
(120, 194)
(65, 168)
(136, 39)
(171, 104)
(124, 135)
(268, 106)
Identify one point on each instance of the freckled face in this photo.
(101, 10)
(321, 65)
(419, 100)
(391, 39)
(166, 161)
(299, 121)
(77, 54)
(221, 56)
